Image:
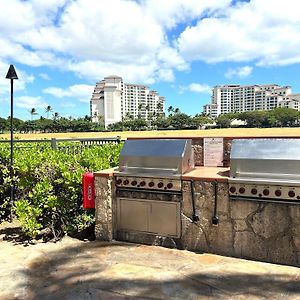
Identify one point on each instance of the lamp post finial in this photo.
(11, 74)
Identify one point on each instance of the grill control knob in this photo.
(232, 189)
(292, 194)
(278, 193)
(254, 191)
(266, 192)
(126, 182)
(133, 183)
(151, 184)
(169, 185)
(118, 181)
(160, 185)
(242, 190)
(142, 183)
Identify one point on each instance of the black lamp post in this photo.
(11, 74)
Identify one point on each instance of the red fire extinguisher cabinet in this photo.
(88, 189)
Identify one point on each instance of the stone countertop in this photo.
(219, 174)
(106, 172)
(199, 173)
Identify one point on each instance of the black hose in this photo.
(195, 217)
(215, 218)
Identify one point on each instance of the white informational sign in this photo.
(213, 152)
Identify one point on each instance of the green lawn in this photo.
(231, 132)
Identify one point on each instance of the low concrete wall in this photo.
(261, 231)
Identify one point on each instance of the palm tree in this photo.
(101, 120)
(87, 118)
(129, 116)
(95, 116)
(176, 110)
(170, 109)
(48, 109)
(56, 115)
(33, 112)
(140, 107)
(159, 108)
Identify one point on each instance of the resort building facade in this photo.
(236, 98)
(113, 100)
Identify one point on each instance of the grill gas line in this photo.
(195, 216)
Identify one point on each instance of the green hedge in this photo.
(48, 187)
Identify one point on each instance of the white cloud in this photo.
(4, 83)
(123, 37)
(45, 76)
(67, 105)
(19, 84)
(30, 102)
(139, 39)
(267, 32)
(169, 58)
(166, 74)
(199, 88)
(240, 72)
(196, 88)
(24, 80)
(81, 92)
(117, 33)
(171, 12)
(131, 73)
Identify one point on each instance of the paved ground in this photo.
(73, 269)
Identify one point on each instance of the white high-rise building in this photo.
(235, 98)
(113, 101)
(291, 101)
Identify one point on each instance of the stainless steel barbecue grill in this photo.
(149, 188)
(155, 164)
(265, 170)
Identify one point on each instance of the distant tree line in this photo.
(58, 124)
(279, 117)
(54, 124)
(175, 120)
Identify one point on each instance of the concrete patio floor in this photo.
(73, 269)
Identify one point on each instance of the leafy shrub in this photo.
(48, 187)
(5, 182)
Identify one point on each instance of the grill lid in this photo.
(166, 157)
(268, 161)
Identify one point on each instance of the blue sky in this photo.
(181, 48)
